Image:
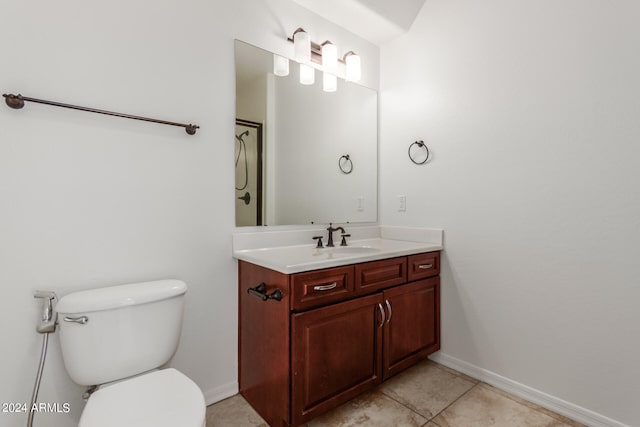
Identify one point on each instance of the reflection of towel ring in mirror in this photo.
(420, 144)
(347, 166)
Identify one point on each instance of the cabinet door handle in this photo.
(388, 308)
(425, 266)
(325, 287)
(383, 316)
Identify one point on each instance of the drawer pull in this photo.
(383, 316)
(260, 291)
(425, 266)
(325, 287)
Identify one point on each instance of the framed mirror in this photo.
(302, 155)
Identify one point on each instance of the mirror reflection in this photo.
(302, 155)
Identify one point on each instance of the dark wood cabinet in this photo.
(321, 287)
(335, 333)
(372, 276)
(412, 330)
(336, 355)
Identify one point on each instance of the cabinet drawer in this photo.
(424, 265)
(371, 276)
(321, 287)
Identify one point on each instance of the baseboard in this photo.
(219, 393)
(562, 407)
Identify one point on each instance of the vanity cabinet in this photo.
(335, 333)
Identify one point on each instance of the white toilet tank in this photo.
(113, 333)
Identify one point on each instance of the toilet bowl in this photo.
(116, 338)
(164, 398)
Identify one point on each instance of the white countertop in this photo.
(298, 258)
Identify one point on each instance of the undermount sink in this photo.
(353, 250)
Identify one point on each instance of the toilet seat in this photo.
(164, 398)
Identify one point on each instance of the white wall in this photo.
(90, 200)
(531, 110)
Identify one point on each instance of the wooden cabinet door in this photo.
(412, 328)
(335, 355)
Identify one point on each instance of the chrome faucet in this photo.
(330, 229)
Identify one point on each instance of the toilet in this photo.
(118, 338)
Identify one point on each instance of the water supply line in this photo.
(46, 325)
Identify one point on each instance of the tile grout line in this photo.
(406, 407)
(462, 377)
(456, 374)
(438, 413)
(450, 404)
(509, 396)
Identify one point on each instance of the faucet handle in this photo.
(344, 239)
(319, 239)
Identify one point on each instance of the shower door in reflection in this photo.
(248, 152)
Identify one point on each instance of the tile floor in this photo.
(426, 395)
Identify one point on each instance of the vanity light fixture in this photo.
(301, 45)
(305, 51)
(329, 57)
(280, 65)
(330, 66)
(307, 74)
(353, 66)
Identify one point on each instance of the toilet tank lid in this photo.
(120, 296)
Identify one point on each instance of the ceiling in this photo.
(377, 21)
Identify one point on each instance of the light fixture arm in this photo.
(344, 57)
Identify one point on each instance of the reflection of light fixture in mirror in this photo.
(329, 57)
(353, 68)
(302, 45)
(280, 65)
(307, 74)
(329, 82)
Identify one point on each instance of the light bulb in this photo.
(329, 57)
(307, 74)
(280, 65)
(329, 82)
(302, 45)
(353, 67)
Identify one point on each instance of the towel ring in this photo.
(347, 163)
(420, 144)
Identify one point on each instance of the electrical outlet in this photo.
(402, 203)
(360, 204)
